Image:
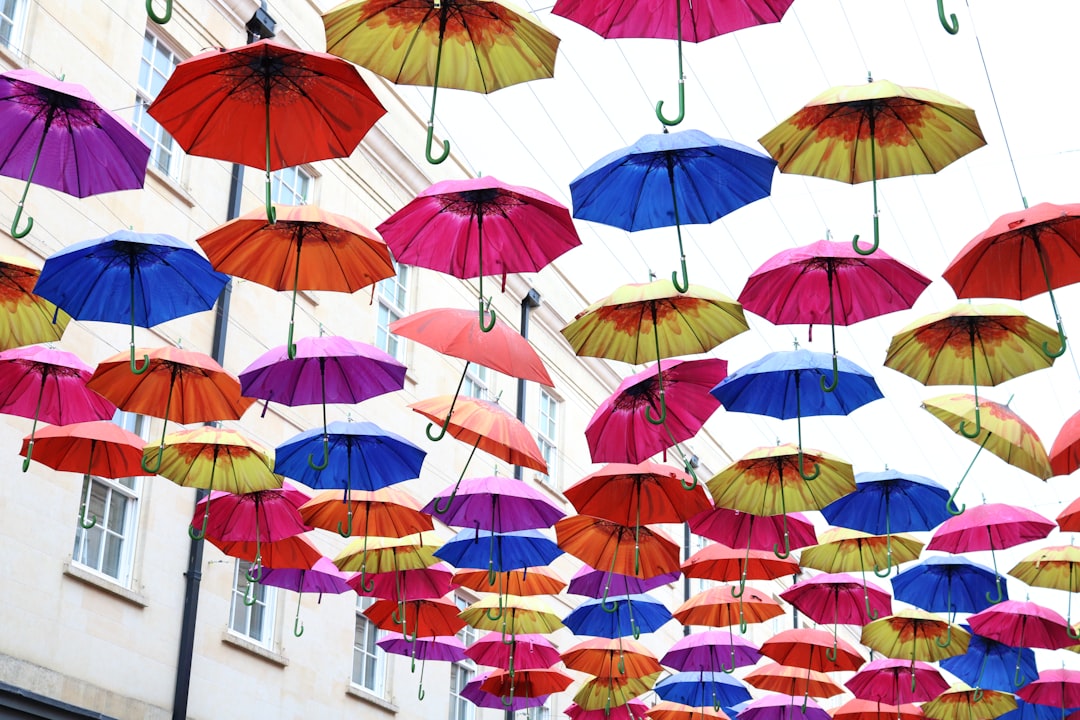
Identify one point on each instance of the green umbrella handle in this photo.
(888, 546)
(135, 369)
(487, 315)
(607, 585)
(1053, 303)
(163, 19)
(662, 419)
(977, 695)
(434, 91)
(430, 140)
(298, 626)
(681, 283)
(200, 534)
(271, 211)
(450, 412)
(15, 232)
(948, 610)
(951, 25)
(249, 594)
(948, 638)
(164, 426)
(325, 456)
(832, 328)
(1018, 675)
(420, 689)
(731, 644)
(783, 514)
(798, 426)
(682, 78)
(873, 181)
(82, 511)
(975, 385)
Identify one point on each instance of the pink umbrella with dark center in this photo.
(711, 651)
(620, 429)
(1057, 688)
(322, 577)
(1022, 624)
(880, 680)
(839, 598)
(735, 528)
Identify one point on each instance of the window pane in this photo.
(11, 13)
(156, 65)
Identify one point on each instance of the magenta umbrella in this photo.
(880, 680)
(446, 648)
(737, 529)
(49, 385)
(1057, 688)
(529, 652)
(992, 526)
(830, 282)
(446, 227)
(620, 429)
(268, 515)
(500, 504)
(484, 699)
(1022, 625)
(633, 710)
(838, 598)
(711, 651)
(427, 583)
(323, 577)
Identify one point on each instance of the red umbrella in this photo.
(416, 618)
(880, 680)
(812, 649)
(620, 430)
(1022, 624)
(1069, 518)
(1058, 688)
(830, 282)
(993, 526)
(526, 683)
(1065, 452)
(425, 583)
(719, 562)
(638, 494)
(735, 528)
(838, 598)
(313, 106)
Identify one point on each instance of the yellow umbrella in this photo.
(29, 319)
(961, 702)
(1057, 568)
(515, 615)
(385, 554)
(916, 634)
(611, 691)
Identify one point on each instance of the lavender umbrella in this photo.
(323, 577)
(483, 699)
(501, 504)
(591, 582)
(711, 651)
(438, 649)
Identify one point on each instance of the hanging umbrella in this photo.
(993, 526)
(416, 618)
(263, 515)
(420, 583)
(529, 683)
(1031, 711)
(857, 709)
(87, 149)
(486, 45)
(812, 649)
(393, 556)
(711, 650)
(681, 178)
(989, 664)
(286, 91)
(667, 710)
(590, 582)
(499, 504)
(436, 649)
(1022, 254)
(792, 681)
(1055, 567)
(1003, 432)
(524, 229)
(1060, 688)
(323, 577)
(633, 615)
(782, 707)
(878, 130)
(49, 385)
(190, 385)
(531, 651)
(887, 501)
(526, 581)
(386, 512)
(96, 447)
(838, 598)
(527, 615)
(947, 584)
(720, 607)
(830, 282)
(702, 689)
(618, 327)
(634, 709)
(723, 564)
(293, 552)
(735, 528)
(771, 481)
(603, 693)
(879, 680)
(916, 634)
(781, 385)
(28, 318)
(1069, 518)
(127, 277)
(307, 248)
(961, 702)
(483, 699)
(619, 430)
(1065, 452)
(610, 657)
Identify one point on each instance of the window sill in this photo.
(355, 691)
(239, 641)
(171, 185)
(101, 582)
(549, 488)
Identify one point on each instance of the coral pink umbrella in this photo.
(1065, 452)
(1022, 624)
(1069, 518)
(880, 680)
(1059, 688)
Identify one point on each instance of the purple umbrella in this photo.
(484, 699)
(529, 652)
(322, 370)
(87, 150)
(783, 707)
(500, 504)
(323, 577)
(446, 648)
(591, 582)
(711, 651)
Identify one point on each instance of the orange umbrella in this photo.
(716, 607)
(306, 249)
(416, 618)
(525, 582)
(719, 562)
(667, 710)
(29, 319)
(792, 681)
(386, 512)
(605, 657)
(858, 709)
(190, 385)
(814, 649)
(525, 683)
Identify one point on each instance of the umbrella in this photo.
(711, 650)
(735, 528)
(191, 386)
(1022, 254)
(993, 526)
(907, 131)
(481, 698)
(887, 501)
(307, 248)
(917, 634)
(603, 693)
(1069, 518)
(947, 584)
(386, 512)
(665, 179)
(781, 385)
(633, 615)
(293, 552)
(1003, 432)
(28, 318)
(1032, 711)
(422, 583)
(716, 607)
(529, 683)
(879, 680)
(323, 577)
(486, 45)
(416, 618)
(211, 96)
(782, 707)
(964, 703)
(857, 709)
(524, 229)
(498, 551)
(390, 555)
(1053, 567)
(792, 681)
(719, 562)
(526, 581)
(270, 515)
(838, 598)
(701, 689)
(634, 709)
(666, 710)
(1060, 688)
(809, 284)
(438, 649)
(1065, 452)
(494, 503)
(618, 326)
(50, 385)
(693, 22)
(529, 615)
(610, 657)
(619, 430)
(127, 277)
(590, 582)
(755, 483)
(95, 447)
(87, 149)
(531, 651)
(989, 664)
(812, 649)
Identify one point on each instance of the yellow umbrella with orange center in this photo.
(915, 634)
(604, 693)
(26, 318)
(1056, 568)
(961, 702)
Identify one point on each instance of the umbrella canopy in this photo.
(813, 649)
(627, 549)
(632, 615)
(416, 618)
(386, 512)
(604, 658)
(915, 634)
(782, 707)
(1053, 567)
(419, 583)
(964, 703)
(529, 683)
(295, 552)
(890, 500)
(719, 562)
(601, 693)
(946, 584)
(857, 709)
(529, 615)
(711, 650)
(272, 514)
(530, 651)
(838, 598)
(792, 681)
(991, 664)
(483, 699)
(499, 504)
(28, 318)
(633, 710)
(1060, 688)
(720, 607)
(701, 689)
(880, 681)
(526, 581)
(389, 555)
(844, 550)
(735, 528)
(1065, 452)
(1023, 625)
(647, 492)
(498, 551)
(667, 710)
(590, 582)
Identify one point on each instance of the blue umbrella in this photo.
(1031, 711)
(990, 665)
(633, 615)
(700, 689)
(888, 501)
(947, 584)
(782, 385)
(127, 277)
(666, 179)
(498, 552)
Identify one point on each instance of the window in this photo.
(476, 382)
(12, 23)
(291, 186)
(698, 543)
(255, 621)
(111, 509)
(393, 297)
(155, 67)
(461, 673)
(545, 439)
(369, 660)
(539, 712)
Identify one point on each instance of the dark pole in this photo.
(261, 25)
(528, 304)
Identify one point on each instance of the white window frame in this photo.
(16, 22)
(100, 516)
(159, 140)
(292, 186)
(477, 382)
(547, 428)
(462, 672)
(393, 294)
(265, 604)
(538, 712)
(377, 657)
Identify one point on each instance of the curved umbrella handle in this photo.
(787, 540)
(831, 653)
(487, 316)
(325, 458)
(607, 586)
(347, 530)
(297, 626)
(135, 369)
(450, 411)
(859, 248)
(952, 507)
(1073, 631)
(948, 638)
(682, 105)
(427, 150)
(1061, 337)
(257, 575)
(659, 383)
(1000, 595)
(249, 595)
(163, 19)
(802, 473)
(977, 695)
(681, 284)
(835, 377)
(290, 346)
(157, 465)
(951, 25)
(201, 533)
(1018, 676)
(978, 426)
(15, 231)
(82, 519)
(29, 454)
(888, 553)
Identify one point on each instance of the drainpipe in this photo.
(261, 25)
(530, 302)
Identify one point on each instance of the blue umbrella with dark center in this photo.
(127, 277)
(666, 179)
(991, 665)
(633, 615)
(888, 501)
(701, 689)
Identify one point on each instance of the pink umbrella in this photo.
(711, 651)
(620, 429)
(426, 583)
(524, 230)
(838, 598)
(737, 529)
(992, 526)
(633, 710)
(529, 651)
(1020, 625)
(49, 385)
(1057, 688)
(830, 282)
(323, 577)
(880, 680)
